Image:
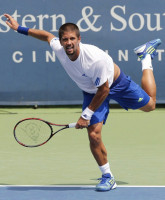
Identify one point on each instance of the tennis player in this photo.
(100, 79)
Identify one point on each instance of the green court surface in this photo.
(135, 142)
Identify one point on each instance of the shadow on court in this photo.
(51, 188)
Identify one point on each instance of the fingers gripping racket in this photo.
(34, 132)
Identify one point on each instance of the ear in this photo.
(79, 39)
(60, 42)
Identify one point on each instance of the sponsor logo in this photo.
(84, 75)
(140, 99)
(97, 82)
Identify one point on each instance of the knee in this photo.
(95, 139)
(150, 106)
(94, 134)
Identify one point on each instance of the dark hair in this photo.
(68, 27)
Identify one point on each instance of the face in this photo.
(70, 42)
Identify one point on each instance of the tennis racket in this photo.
(34, 132)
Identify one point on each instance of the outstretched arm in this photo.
(39, 34)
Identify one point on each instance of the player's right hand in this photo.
(82, 123)
(11, 22)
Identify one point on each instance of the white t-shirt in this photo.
(90, 70)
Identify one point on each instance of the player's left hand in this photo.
(82, 123)
(13, 24)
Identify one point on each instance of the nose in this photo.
(68, 42)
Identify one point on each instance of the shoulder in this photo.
(94, 54)
(89, 47)
(55, 44)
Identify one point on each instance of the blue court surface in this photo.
(80, 192)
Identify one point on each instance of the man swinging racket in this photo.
(100, 79)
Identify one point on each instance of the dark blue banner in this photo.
(30, 72)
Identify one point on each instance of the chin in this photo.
(70, 54)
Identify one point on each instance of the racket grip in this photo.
(72, 125)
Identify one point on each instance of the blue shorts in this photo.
(124, 91)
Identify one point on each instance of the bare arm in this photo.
(39, 34)
(100, 96)
(96, 102)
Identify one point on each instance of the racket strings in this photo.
(32, 132)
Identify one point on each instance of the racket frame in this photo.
(64, 126)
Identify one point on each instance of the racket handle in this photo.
(72, 125)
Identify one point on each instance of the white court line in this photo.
(85, 186)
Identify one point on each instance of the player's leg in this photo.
(100, 154)
(96, 145)
(146, 53)
(149, 86)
